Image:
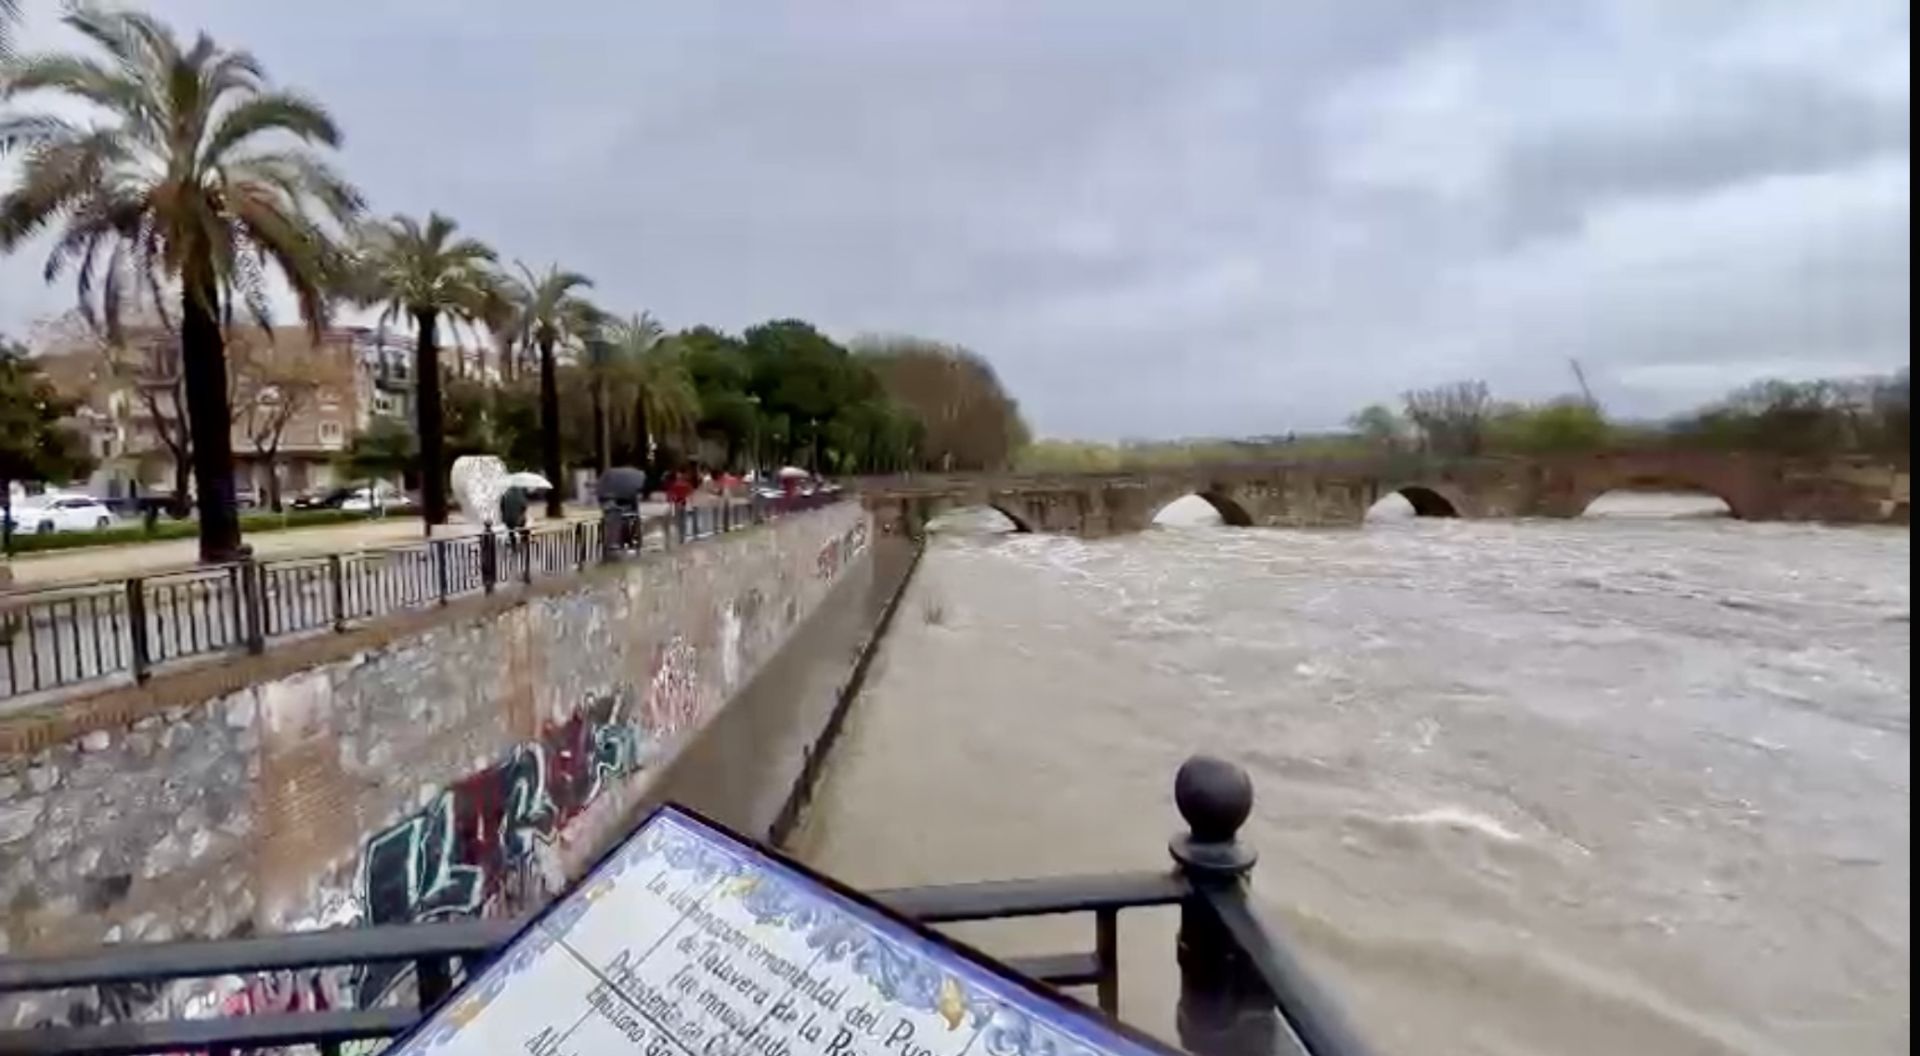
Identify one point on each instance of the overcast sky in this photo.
(1162, 219)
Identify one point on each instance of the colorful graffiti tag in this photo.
(839, 552)
(473, 840)
(476, 848)
(673, 692)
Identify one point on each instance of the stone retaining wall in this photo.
(467, 766)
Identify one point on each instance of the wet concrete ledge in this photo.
(756, 764)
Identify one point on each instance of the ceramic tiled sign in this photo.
(690, 941)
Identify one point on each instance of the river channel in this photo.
(1614, 785)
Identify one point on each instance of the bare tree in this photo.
(1452, 419)
(970, 421)
(274, 383)
(142, 367)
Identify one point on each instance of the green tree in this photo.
(730, 413)
(654, 372)
(550, 313)
(471, 418)
(1379, 427)
(35, 442)
(171, 189)
(385, 450)
(425, 274)
(799, 373)
(1568, 425)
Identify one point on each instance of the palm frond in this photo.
(164, 187)
(9, 14)
(55, 177)
(269, 112)
(18, 131)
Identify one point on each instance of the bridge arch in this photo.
(1656, 483)
(1427, 499)
(1007, 510)
(1232, 514)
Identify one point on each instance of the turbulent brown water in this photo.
(1598, 786)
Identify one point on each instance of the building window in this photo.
(331, 434)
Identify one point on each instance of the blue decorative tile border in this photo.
(680, 886)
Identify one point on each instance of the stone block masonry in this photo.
(469, 764)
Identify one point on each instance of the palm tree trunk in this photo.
(601, 441)
(431, 417)
(640, 437)
(550, 427)
(182, 482)
(203, 357)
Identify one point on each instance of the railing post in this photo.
(1225, 1007)
(580, 544)
(337, 582)
(139, 650)
(433, 979)
(440, 568)
(523, 539)
(489, 558)
(611, 528)
(253, 601)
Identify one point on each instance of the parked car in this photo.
(329, 499)
(61, 513)
(383, 497)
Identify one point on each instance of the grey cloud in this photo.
(1728, 129)
(1157, 220)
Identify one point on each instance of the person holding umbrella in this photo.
(621, 489)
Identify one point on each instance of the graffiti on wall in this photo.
(673, 690)
(840, 551)
(480, 838)
(491, 842)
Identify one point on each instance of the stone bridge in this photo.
(1336, 494)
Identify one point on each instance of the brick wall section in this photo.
(466, 763)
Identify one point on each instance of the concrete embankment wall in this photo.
(468, 762)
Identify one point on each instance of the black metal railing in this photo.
(83, 634)
(1242, 991)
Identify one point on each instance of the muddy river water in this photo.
(1624, 784)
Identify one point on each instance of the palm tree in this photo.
(9, 13)
(597, 356)
(664, 397)
(549, 314)
(424, 274)
(170, 194)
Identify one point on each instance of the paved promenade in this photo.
(108, 562)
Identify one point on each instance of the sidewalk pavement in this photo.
(113, 562)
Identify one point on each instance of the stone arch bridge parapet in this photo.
(1336, 494)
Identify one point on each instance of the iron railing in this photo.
(86, 634)
(1242, 992)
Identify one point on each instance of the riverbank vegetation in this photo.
(1823, 418)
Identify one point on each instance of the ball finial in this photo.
(1214, 796)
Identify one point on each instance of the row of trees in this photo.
(199, 178)
(1804, 419)
(780, 392)
(1807, 418)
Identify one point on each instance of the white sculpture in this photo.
(478, 483)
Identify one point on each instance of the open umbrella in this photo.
(794, 473)
(621, 484)
(528, 481)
